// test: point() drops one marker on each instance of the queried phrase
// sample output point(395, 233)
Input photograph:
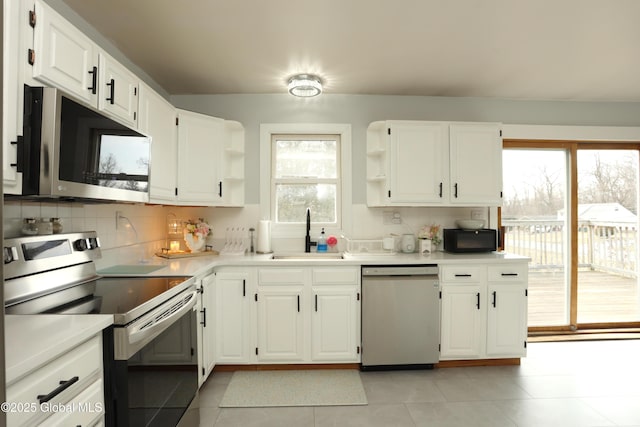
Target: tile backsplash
point(142, 231)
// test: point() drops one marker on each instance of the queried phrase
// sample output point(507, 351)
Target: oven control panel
point(36, 254)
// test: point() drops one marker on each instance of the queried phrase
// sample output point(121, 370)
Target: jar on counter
point(56, 225)
point(45, 226)
point(29, 227)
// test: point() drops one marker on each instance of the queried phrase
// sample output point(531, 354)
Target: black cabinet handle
point(43, 398)
point(462, 275)
point(204, 317)
point(440, 193)
point(94, 80)
point(510, 274)
point(112, 85)
point(455, 193)
point(220, 189)
point(494, 299)
point(478, 300)
point(298, 303)
point(316, 303)
point(244, 288)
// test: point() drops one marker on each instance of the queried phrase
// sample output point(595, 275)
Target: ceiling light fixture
point(305, 85)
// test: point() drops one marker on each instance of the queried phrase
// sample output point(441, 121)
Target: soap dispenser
point(322, 242)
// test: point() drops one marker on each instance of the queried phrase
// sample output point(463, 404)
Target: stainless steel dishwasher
point(400, 317)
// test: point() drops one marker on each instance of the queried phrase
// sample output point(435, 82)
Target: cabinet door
point(335, 326)
point(12, 95)
point(506, 320)
point(64, 56)
point(232, 317)
point(280, 323)
point(207, 325)
point(199, 151)
point(476, 164)
point(157, 118)
point(463, 316)
point(118, 90)
point(418, 163)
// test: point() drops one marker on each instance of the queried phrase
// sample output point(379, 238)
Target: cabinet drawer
point(508, 273)
point(86, 409)
point(335, 276)
point(83, 362)
point(462, 274)
point(280, 276)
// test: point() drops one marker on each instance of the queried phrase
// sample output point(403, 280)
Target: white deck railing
point(602, 246)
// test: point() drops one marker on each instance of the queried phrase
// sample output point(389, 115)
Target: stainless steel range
point(150, 362)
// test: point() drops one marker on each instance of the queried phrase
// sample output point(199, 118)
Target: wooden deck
point(602, 297)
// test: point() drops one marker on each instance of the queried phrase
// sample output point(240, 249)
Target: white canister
point(388, 243)
point(408, 243)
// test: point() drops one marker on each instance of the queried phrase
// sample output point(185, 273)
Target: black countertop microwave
point(71, 150)
point(457, 240)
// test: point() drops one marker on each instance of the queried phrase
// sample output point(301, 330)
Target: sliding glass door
point(572, 207)
point(607, 236)
point(533, 214)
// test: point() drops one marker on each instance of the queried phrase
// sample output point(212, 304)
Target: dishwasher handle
point(418, 270)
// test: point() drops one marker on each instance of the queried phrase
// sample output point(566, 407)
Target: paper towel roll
point(264, 237)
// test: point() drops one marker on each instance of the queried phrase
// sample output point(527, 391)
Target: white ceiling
point(518, 49)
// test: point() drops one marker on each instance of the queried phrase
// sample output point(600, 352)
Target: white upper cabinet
point(210, 160)
point(476, 164)
point(118, 94)
point(420, 160)
point(13, 52)
point(200, 146)
point(63, 56)
point(157, 118)
point(421, 163)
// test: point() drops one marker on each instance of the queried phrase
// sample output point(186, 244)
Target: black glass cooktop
point(124, 297)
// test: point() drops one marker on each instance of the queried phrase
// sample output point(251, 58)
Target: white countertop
point(202, 264)
point(33, 340)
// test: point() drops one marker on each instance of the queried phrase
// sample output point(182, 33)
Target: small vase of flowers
point(195, 234)
point(429, 236)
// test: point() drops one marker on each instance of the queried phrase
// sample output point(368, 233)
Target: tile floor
point(586, 383)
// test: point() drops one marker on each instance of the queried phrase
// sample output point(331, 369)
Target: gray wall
point(360, 110)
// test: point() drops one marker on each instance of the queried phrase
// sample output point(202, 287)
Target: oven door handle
point(141, 332)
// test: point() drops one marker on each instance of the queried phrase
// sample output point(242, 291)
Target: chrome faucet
point(307, 238)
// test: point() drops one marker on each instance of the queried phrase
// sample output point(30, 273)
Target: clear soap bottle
point(322, 242)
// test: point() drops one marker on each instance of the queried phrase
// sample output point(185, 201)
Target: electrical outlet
point(397, 219)
point(391, 218)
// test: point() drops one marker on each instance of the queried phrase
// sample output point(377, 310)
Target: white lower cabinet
point(234, 299)
point(335, 323)
point(288, 314)
point(462, 321)
point(75, 377)
point(206, 325)
point(281, 326)
point(484, 311)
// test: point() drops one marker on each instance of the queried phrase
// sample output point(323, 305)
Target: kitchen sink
point(307, 256)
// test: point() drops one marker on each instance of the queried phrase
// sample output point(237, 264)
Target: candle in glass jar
point(174, 246)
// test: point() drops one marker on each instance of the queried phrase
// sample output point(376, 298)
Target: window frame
point(307, 180)
point(344, 188)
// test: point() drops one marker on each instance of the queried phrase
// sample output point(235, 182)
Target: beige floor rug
point(319, 387)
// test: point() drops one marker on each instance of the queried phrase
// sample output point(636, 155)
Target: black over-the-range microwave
point(458, 240)
point(72, 150)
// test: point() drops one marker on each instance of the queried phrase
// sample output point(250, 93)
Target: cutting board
point(130, 269)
